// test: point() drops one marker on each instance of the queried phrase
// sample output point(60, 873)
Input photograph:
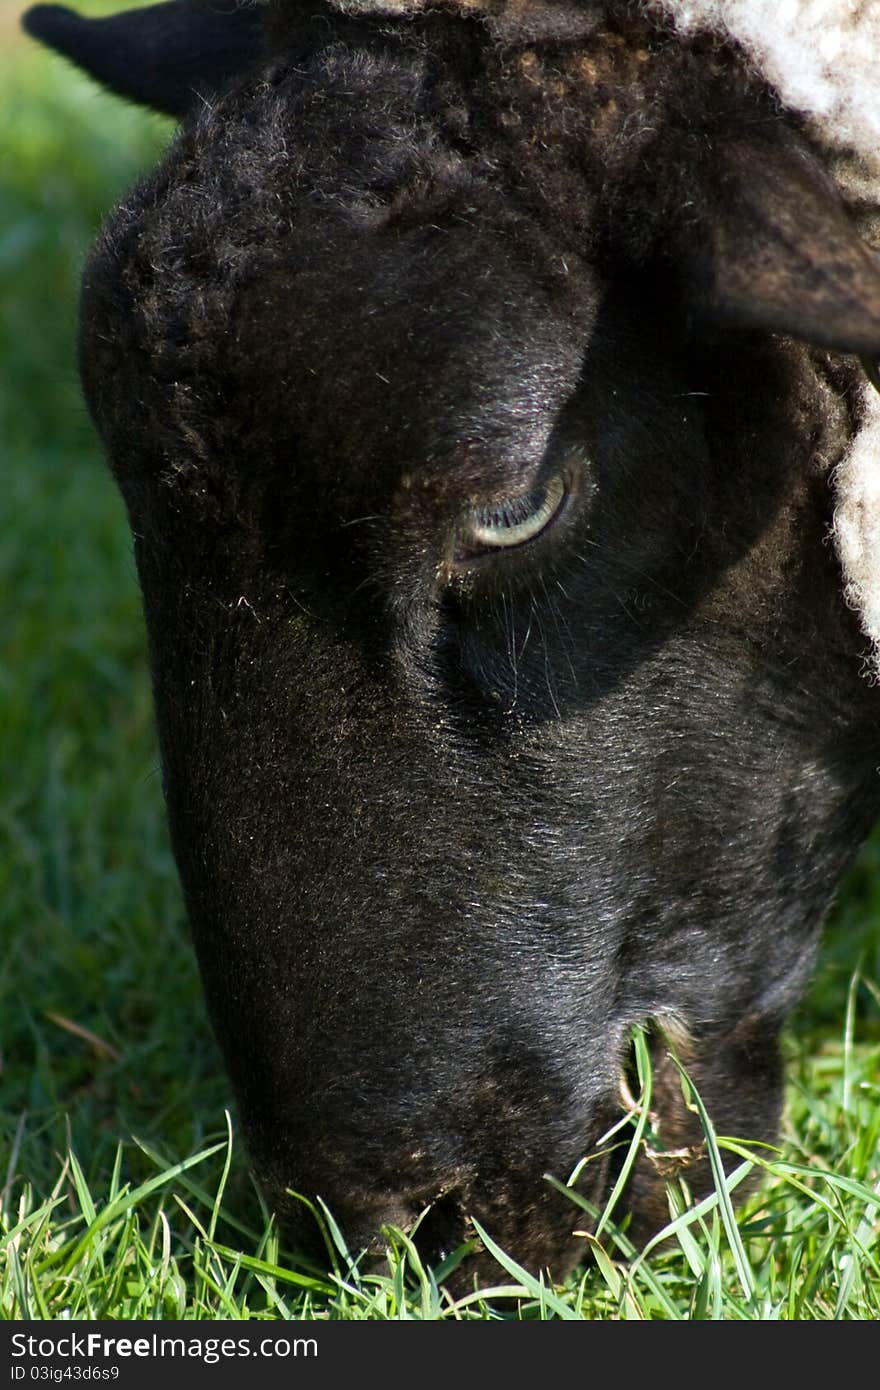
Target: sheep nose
point(436, 1228)
point(441, 1229)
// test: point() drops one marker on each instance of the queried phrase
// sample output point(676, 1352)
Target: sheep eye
point(514, 520)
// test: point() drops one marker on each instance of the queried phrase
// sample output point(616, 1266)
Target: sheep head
point(474, 375)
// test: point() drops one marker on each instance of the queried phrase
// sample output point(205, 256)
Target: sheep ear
point(776, 250)
point(165, 56)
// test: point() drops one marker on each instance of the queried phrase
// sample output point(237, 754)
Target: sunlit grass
point(806, 1246)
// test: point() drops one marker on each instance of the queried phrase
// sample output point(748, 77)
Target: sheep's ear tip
point(44, 21)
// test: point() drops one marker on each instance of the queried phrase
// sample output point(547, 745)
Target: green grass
point(123, 1191)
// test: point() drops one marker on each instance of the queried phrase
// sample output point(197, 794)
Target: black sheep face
point(478, 472)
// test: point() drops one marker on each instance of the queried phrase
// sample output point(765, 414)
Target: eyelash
point(513, 521)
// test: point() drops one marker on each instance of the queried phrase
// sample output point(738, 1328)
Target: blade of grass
point(720, 1179)
point(536, 1287)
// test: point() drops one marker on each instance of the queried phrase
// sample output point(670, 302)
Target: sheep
point(491, 385)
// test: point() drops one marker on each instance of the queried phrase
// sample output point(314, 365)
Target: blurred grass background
point(102, 1027)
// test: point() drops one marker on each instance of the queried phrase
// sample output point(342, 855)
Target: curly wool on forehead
point(822, 56)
